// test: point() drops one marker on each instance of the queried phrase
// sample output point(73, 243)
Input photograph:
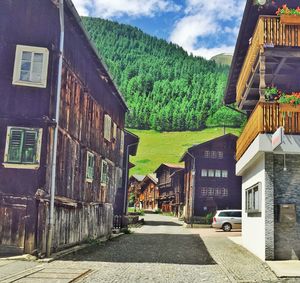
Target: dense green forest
point(165, 88)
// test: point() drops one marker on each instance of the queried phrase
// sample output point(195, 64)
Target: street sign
point(277, 138)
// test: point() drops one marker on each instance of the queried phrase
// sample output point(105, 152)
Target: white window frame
point(204, 173)
point(220, 154)
point(104, 182)
point(87, 178)
point(210, 192)
point(213, 154)
point(211, 171)
point(31, 166)
point(224, 173)
point(253, 205)
point(18, 62)
point(206, 154)
point(218, 173)
point(107, 127)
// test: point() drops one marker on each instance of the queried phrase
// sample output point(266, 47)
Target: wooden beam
point(277, 70)
point(282, 53)
point(249, 85)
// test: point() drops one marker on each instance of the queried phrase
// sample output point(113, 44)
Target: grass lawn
point(167, 147)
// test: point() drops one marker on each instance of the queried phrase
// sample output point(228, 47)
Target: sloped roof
point(206, 143)
point(115, 90)
point(180, 171)
point(139, 178)
point(170, 165)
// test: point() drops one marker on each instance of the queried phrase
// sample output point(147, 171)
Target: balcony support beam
point(262, 74)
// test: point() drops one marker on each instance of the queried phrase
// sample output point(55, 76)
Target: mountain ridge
point(166, 88)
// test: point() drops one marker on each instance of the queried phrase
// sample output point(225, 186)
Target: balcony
point(271, 58)
point(267, 117)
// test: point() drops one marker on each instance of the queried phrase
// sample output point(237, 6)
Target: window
point(204, 191)
point(224, 192)
point(224, 174)
point(23, 147)
point(211, 173)
point(218, 192)
point(115, 131)
point(253, 199)
point(104, 173)
point(213, 154)
point(224, 214)
point(210, 192)
point(31, 66)
point(90, 163)
point(206, 154)
point(218, 173)
point(107, 127)
point(220, 154)
point(203, 173)
point(122, 142)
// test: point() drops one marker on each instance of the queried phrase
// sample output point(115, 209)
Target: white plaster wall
point(253, 228)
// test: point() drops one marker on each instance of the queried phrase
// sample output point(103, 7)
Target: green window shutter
point(15, 146)
point(29, 147)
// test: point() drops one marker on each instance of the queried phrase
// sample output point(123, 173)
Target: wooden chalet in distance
point(90, 146)
point(177, 180)
point(210, 182)
point(268, 53)
point(134, 188)
point(167, 196)
point(149, 194)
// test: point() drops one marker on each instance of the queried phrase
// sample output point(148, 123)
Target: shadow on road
point(149, 248)
point(161, 223)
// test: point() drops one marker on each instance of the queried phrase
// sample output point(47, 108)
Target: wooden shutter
point(29, 147)
point(15, 146)
point(107, 127)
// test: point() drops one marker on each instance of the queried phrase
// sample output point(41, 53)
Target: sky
point(202, 27)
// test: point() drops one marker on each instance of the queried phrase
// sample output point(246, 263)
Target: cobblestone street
point(160, 251)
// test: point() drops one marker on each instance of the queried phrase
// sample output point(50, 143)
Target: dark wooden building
point(149, 193)
point(210, 182)
point(90, 152)
point(177, 180)
point(167, 197)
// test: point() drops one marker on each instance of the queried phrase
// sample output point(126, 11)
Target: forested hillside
point(165, 88)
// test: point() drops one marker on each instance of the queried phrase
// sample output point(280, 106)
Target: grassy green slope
point(156, 148)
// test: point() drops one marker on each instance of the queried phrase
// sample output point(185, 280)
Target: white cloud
point(207, 18)
point(117, 8)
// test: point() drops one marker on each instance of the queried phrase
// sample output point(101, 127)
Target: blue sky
point(202, 27)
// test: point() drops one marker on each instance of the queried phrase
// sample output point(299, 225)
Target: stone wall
point(286, 191)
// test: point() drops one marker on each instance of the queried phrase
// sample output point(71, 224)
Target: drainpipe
point(54, 152)
point(193, 185)
point(126, 176)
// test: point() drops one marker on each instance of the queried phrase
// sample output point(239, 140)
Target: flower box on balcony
point(289, 108)
point(291, 20)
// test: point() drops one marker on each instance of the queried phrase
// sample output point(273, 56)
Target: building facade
point(90, 151)
point(149, 194)
point(268, 149)
point(167, 196)
point(210, 182)
point(134, 190)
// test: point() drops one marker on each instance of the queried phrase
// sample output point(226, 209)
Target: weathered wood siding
point(87, 95)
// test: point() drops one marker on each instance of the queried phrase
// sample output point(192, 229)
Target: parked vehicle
point(227, 220)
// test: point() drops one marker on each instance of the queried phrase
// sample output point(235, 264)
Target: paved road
point(160, 251)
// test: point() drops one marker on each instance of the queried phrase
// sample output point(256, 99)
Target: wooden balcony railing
point(267, 118)
point(269, 32)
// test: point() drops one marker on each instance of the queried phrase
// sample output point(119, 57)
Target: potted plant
point(289, 102)
point(289, 16)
